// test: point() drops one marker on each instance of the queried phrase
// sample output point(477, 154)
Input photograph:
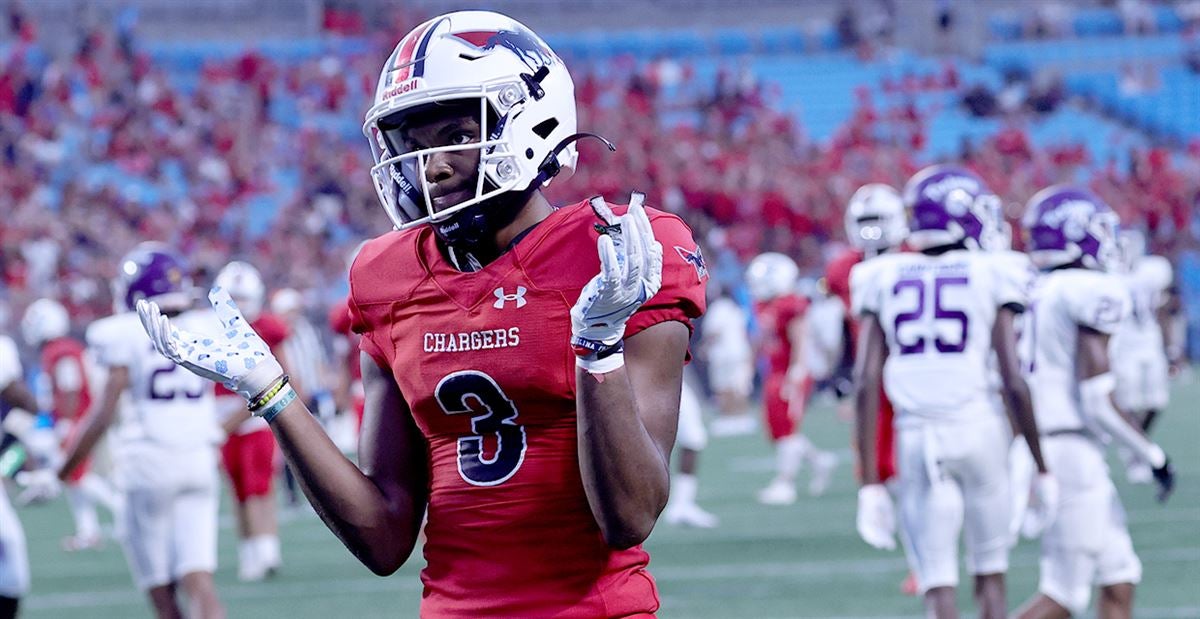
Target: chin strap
point(550, 167)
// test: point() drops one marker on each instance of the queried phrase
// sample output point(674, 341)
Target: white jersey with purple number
point(937, 313)
point(1062, 301)
point(168, 405)
point(1140, 334)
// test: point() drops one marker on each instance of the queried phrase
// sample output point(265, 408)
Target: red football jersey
point(54, 352)
point(484, 361)
point(837, 278)
point(774, 316)
point(837, 274)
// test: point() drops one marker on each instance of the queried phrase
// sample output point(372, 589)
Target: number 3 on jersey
point(493, 414)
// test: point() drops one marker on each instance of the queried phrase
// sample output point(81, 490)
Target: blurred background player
point(930, 320)
point(729, 357)
point(17, 407)
point(1076, 307)
point(534, 430)
point(164, 451)
point(875, 224)
point(691, 439)
point(249, 450)
point(45, 326)
point(772, 279)
point(307, 359)
point(1139, 347)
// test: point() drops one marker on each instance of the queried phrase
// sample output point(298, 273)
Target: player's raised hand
point(876, 519)
point(630, 273)
point(237, 358)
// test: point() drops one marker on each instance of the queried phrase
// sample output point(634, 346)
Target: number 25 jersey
point(484, 362)
point(937, 313)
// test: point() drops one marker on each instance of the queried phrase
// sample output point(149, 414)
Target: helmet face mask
point(525, 114)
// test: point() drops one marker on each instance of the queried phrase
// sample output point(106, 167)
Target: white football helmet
point(526, 104)
point(771, 275)
point(44, 320)
point(875, 219)
point(245, 285)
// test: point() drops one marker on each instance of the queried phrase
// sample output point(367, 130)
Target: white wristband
point(601, 366)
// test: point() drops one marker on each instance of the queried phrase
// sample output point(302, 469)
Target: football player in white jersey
point(165, 441)
point(1075, 307)
point(725, 343)
point(1139, 347)
point(929, 322)
point(14, 561)
point(691, 437)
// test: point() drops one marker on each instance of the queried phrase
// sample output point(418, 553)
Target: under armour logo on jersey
point(502, 298)
point(694, 258)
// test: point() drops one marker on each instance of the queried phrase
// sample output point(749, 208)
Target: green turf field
point(799, 561)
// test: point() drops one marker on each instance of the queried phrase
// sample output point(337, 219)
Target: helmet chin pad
point(476, 225)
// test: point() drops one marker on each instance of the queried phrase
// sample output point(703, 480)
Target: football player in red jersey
point(45, 326)
point(772, 280)
point(522, 363)
point(249, 450)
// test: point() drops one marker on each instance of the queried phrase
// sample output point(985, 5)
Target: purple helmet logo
point(154, 272)
point(1064, 225)
point(948, 205)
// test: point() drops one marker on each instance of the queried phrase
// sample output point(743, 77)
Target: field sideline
point(799, 561)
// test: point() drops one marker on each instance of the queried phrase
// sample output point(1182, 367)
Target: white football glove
point(37, 486)
point(1043, 506)
point(630, 273)
point(876, 519)
point(237, 358)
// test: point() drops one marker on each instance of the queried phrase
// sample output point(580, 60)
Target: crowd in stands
point(103, 147)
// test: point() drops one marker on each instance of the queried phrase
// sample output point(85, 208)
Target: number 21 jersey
point(937, 313)
point(484, 362)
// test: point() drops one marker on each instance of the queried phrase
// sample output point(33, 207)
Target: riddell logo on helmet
point(401, 89)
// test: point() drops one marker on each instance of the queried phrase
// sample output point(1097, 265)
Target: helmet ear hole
point(545, 128)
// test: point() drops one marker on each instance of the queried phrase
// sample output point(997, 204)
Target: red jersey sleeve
point(681, 296)
point(384, 273)
point(272, 329)
point(837, 274)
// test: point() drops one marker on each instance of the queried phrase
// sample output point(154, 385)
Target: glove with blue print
point(237, 358)
point(631, 263)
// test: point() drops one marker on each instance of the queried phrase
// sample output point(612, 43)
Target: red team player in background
point(780, 309)
point(875, 223)
point(522, 364)
point(45, 326)
point(249, 450)
point(349, 390)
